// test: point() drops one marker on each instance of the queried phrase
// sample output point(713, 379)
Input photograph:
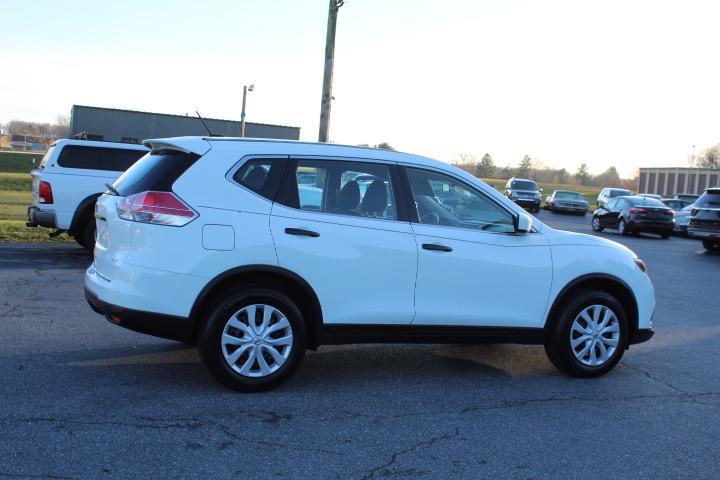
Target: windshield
point(617, 193)
point(568, 195)
point(524, 185)
point(710, 199)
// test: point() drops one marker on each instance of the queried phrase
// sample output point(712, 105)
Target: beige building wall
point(669, 181)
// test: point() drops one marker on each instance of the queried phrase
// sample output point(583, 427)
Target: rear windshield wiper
point(112, 189)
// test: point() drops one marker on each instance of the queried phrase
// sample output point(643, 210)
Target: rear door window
point(350, 188)
point(98, 158)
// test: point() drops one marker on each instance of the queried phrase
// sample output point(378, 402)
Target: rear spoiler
point(196, 145)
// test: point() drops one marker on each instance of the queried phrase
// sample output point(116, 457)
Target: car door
point(347, 240)
point(606, 214)
point(473, 270)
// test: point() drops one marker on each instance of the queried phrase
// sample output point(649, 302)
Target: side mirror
point(523, 223)
point(541, 190)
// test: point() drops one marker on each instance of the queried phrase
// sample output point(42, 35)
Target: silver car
point(566, 201)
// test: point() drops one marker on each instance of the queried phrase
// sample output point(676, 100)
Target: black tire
point(86, 235)
point(711, 246)
point(557, 341)
point(624, 230)
point(665, 236)
point(211, 348)
point(596, 224)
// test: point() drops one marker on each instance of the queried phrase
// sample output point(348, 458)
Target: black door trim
point(355, 333)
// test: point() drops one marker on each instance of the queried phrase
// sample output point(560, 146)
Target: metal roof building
point(669, 181)
point(130, 126)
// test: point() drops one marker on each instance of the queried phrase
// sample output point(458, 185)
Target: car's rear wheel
point(596, 224)
point(86, 236)
point(665, 236)
point(711, 246)
point(589, 335)
point(622, 227)
point(254, 339)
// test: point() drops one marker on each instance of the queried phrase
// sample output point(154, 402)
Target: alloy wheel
point(594, 335)
point(257, 340)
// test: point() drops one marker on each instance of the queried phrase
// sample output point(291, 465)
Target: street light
point(246, 88)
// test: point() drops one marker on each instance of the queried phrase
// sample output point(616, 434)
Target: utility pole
point(328, 73)
point(246, 89)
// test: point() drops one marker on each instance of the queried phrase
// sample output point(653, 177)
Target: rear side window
point(156, 171)
point(98, 158)
point(709, 199)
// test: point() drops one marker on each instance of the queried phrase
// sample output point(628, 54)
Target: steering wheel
point(430, 218)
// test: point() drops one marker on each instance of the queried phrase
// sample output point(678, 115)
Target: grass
point(16, 231)
point(19, 182)
point(15, 197)
point(19, 162)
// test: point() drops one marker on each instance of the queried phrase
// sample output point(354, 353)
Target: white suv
point(257, 250)
point(71, 175)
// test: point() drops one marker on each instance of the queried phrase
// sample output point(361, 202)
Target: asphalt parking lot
point(81, 398)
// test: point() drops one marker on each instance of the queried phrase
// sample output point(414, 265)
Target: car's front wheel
point(589, 335)
point(254, 339)
point(596, 224)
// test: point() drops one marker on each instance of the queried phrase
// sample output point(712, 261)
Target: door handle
point(301, 232)
point(436, 247)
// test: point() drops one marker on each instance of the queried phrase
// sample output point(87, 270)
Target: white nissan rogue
point(257, 250)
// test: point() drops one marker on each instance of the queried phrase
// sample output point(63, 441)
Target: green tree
point(486, 167)
point(583, 175)
point(563, 176)
point(525, 166)
point(385, 146)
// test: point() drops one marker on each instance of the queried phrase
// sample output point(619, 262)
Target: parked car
point(633, 215)
point(566, 201)
point(705, 219)
point(68, 180)
point(606, 194)
point(650, 195)
point(207, 240)
point(524, 192)
point(682, 219)
point(675, 204)
point(688, 197)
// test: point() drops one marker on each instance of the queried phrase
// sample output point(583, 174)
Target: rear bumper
point(703, 233)
point(156, 324)
point(651, 226)
point(40, 218)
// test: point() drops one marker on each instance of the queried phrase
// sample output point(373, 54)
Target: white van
point(70, 177)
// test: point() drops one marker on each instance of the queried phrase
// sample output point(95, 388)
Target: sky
point(608, 83)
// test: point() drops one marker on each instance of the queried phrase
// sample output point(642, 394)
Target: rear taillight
point(669, 213)
point(158, 208)
point(45, 192)
point(638, 210)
